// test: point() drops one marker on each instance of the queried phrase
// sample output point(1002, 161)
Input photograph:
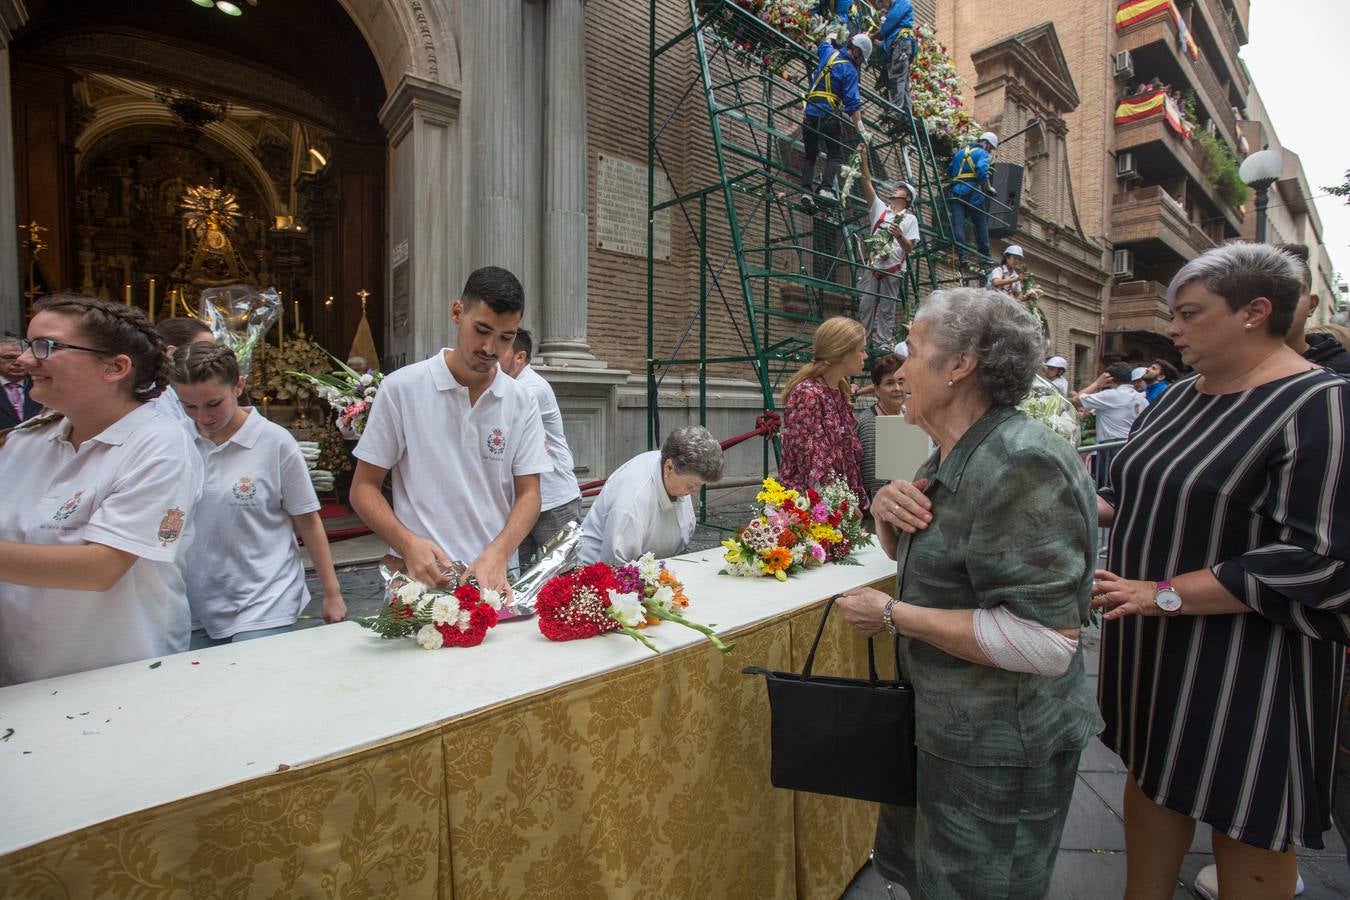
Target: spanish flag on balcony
point(1154, 103)
point(1131, 12)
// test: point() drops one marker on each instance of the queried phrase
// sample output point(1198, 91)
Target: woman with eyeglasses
point(97, 497)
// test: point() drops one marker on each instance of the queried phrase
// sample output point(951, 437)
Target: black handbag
point(846, 737)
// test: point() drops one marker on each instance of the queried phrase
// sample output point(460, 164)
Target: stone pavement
point(1091, 863)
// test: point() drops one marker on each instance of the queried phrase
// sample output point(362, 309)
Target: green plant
point(1221, 169)
point(1342, 189)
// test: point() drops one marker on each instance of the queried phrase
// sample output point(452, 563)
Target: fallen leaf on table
point(153, 665)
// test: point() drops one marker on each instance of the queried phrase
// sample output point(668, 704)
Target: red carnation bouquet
point(434, 616)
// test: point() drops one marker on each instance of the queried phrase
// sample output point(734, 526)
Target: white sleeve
point(531, 456)
point(910, 227)
point(382, 443)
point(624, 538)
point(1020, 645)
point(1095, 402)
point(146, 511)
point(297, 488)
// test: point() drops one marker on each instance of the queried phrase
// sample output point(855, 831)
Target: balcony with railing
point(1138, 306)
point(1216, 36)
point(1153, 45)
point(1150, 220)
point(1161, 154)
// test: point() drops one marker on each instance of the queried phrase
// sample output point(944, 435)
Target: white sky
point(1296, 56)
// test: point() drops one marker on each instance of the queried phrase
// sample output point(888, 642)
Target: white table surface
point(96, 745)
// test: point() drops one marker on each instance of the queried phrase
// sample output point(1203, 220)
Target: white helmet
point(864, 45)
point(1015, 250)
point(991, 138)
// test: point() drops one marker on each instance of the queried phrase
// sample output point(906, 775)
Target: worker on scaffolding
point(894, 231)
point(898, 48)
point(834, 87)
point(969, 171)
point(838, 10)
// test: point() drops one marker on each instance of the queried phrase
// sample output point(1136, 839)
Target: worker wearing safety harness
point(969, 171)
point(832, 94)
point(899, 47)
point(893, 232)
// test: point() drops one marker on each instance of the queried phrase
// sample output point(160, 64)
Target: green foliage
point(1221, 169)
point(1342, 189)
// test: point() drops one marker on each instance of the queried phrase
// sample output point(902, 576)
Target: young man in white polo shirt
point(559, 493)
point(465, 445)
point(1115, 401)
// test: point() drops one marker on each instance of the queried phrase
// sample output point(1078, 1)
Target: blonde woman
point(820, 436)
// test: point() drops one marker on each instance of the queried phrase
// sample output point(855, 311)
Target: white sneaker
point(1207, 883)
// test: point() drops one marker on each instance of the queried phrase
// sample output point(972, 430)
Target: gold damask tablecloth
point(649, 781)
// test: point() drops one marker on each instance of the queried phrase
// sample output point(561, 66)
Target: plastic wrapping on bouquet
point(239, 316)
point(557, 555)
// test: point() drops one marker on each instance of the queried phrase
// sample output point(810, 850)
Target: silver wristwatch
point(886, 614)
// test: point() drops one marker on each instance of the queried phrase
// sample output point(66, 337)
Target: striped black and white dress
point(1232, 719)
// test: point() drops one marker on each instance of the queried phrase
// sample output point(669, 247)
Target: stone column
point(426, 222)
point(11, 296)
point(563, 341)
point(492, 92)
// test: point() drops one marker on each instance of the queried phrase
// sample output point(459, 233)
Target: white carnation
point(444, 609)
point(367, 378)
point(649, 570)
point(492, 598)
point(428, 638)
point(465, 620)
point(625, 608)
point(409, 593)
point(663, 598)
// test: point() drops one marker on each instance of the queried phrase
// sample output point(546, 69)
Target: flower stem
point(638, 636)
point(681, 620)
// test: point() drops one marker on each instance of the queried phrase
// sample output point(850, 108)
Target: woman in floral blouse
point(819, 432)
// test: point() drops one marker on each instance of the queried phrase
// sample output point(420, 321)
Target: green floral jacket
point(1014, 523)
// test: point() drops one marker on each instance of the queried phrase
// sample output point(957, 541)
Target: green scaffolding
point(770, 267)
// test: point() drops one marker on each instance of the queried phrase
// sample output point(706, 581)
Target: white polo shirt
point(453, 463)
point(882, 216)
point(634, 515)
point(246, 573)
point(132, 487)
point(1116, 410)
point(558, 485)
point(169, 404)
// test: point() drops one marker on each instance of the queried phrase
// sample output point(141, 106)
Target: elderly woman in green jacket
point(995, 546)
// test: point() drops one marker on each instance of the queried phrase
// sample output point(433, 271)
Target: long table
point(327, 763)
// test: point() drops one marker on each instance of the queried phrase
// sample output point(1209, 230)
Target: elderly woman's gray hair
point(695, 452)
point(1241, 272)
point(1003, 335)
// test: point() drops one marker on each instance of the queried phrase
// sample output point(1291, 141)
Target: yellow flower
point(774, 493)
point(735, 552)
point(826, 534)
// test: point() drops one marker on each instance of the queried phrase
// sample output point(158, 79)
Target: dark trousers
point(821, 132)
point(969, 209)
point(897, 74)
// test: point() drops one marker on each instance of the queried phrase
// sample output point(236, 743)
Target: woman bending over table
point(97, 496)
point(246, 579)
point(995, 542)
point(1228, 587)
point(820, 437)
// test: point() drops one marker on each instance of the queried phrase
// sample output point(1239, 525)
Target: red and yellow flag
point(1143, 106)
point(1131, 11)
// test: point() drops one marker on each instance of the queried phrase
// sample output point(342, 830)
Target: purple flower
point(630, 582)
point(820, 512)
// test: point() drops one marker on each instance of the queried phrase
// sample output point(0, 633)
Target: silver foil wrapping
point(556, 556)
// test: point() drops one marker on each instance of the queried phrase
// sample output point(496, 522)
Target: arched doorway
point(120, 110)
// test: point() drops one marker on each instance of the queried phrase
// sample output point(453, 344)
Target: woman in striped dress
point(1228, 590)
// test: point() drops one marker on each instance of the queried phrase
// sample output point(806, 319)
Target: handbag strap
point(820, 631)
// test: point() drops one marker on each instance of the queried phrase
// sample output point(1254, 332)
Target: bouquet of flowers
point(791, 531)
point(239, 316)
point(662, 595)
point(349, 393)
point(935, 94)
point(436, 617)
point(1048, 406)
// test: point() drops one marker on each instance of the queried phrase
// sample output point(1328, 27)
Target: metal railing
point(1098, 459)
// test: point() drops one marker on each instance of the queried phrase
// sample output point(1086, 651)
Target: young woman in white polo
point(96, 501)
point(245, 579)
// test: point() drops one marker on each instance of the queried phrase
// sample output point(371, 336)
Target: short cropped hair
point(1239, 273)
point(694, 451)
point(1120, 372)
point(886, 365)
point(1005, 338)
point(496, 287)
point(524, 341)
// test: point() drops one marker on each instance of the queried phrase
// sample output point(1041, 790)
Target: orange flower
point(668, 579)
point(787, 538)
point(777, 559)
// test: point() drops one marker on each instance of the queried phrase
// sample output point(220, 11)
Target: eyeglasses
point(41, 348)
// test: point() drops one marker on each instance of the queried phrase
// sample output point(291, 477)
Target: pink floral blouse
point(820, 438)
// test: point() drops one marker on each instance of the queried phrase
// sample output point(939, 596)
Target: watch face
point(1168, 600)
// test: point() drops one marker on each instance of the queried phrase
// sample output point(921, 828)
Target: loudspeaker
point(1006, 183)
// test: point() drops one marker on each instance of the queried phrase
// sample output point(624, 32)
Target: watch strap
point(886, 615)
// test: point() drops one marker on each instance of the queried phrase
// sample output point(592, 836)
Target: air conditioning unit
point(1122, 264)
point(1122, 65)
point(1125, 166)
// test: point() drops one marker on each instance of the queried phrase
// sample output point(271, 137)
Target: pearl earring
point(951, 383)
point(1248, 326)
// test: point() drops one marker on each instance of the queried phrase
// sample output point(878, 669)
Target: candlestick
point(173, 302)
point(152, 300)
point(297, 315)
point(126, 288)
point(281, 326)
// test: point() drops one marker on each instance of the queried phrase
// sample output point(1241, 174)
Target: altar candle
point(297, 315)
point(281, 326)
point(127, 290)
point(152, 300)
point(173, 302)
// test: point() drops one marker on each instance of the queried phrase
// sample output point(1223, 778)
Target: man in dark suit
point(15, 406)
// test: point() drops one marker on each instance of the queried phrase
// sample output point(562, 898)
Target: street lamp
point(1259, 171)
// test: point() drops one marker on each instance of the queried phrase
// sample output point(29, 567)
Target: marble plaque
point(621, 209)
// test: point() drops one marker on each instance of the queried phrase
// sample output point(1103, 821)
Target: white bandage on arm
point(1020, 645)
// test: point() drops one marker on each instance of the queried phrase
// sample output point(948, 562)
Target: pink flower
point(817, 551)
point(820, 512)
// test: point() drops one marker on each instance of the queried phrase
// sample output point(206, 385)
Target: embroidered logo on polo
point(496, 442)
point(171, 526)
point(244, 490)
point(68, 508)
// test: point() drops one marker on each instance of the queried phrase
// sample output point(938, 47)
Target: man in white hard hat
point(1054, 370)
point(833, 93)
point(969, 171)
point(893, 232)
point(1007, 275)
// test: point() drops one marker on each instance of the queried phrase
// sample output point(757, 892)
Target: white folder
point(901, 448)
